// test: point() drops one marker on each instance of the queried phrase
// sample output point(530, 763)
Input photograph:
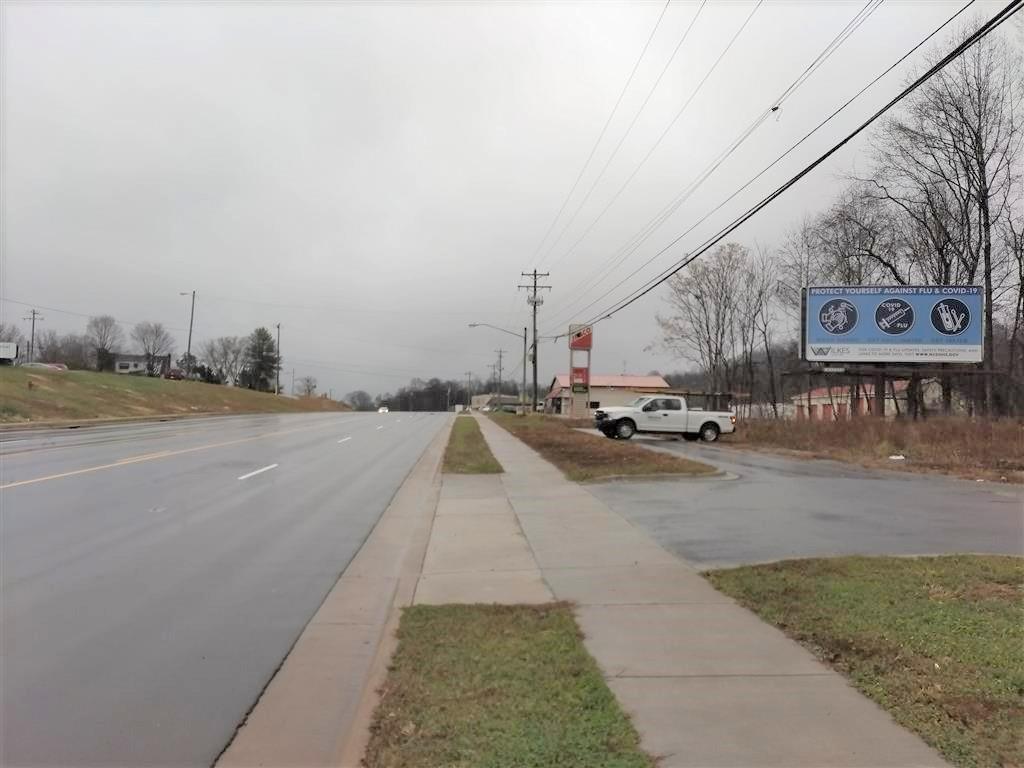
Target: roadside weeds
point(489, 685)
point(584, 457)
point(970, 448)
point(937, 641)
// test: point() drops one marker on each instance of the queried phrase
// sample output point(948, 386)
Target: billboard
point(581, 337)
point(894, 324)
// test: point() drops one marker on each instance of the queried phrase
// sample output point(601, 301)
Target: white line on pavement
point(344, 439)
point(264, 469)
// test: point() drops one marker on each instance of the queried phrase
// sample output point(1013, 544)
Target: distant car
point(383, 409)
point(175, 373)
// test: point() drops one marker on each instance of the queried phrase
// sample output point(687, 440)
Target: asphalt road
point(772, 508)
point(154, 576)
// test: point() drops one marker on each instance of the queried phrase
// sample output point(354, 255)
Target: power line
point(977, 35)
point(781, 157)
point(604, 129)
point(660, 138)
point(629, 129)
point(634, 243)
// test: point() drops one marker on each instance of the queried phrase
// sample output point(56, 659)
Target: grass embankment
point(467, 452)
point(56, 396)
point(974, 448)
point(937, 641)
point(584, 457)
point(475, 685)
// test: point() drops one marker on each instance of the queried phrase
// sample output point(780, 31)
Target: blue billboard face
point(894, 324)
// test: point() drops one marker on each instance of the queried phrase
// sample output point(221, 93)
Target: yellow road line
point(158, 455)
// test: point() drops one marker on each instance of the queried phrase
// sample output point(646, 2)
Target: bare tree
point(702, 326)
point(360, 400)
point(949, 163)
point(225, 356)
point(103, 332)
point(153, 341)
point(307, 386)
point(48, 347)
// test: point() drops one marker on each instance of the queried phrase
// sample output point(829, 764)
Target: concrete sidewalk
point(706, 682)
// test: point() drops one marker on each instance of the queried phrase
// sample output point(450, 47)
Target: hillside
point(38, 395)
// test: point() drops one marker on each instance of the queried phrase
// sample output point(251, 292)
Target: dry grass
point(498, 685)
point(937, 641)
point(467, 452)
point(974, 448)
point(82, 395)
point(584, 457)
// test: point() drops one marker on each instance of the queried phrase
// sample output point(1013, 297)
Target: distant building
point(137, 364)
point(833, 403)
point(491, 400)
point(618, 389)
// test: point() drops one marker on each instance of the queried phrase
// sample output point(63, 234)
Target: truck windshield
point(639, 401)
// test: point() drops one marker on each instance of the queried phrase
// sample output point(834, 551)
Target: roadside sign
point(8, 350)
point(581, 337)
point(894, 324)
point(580, 379)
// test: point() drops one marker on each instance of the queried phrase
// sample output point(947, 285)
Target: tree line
point(428, 395)
point(939, 203)
point(249, 361)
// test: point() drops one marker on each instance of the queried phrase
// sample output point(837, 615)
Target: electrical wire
point(634, 243)
point(637, 294)
point(604, 130)
point(661, 138)
point(629, 129)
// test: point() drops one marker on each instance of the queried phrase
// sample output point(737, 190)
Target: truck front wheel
point(625, 429)
point(709, 432)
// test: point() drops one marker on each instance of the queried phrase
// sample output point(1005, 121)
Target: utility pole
point(500, 353)
point(188, 348)
point(293, 381)
point(277, 379)
point(534, 300)
point(469, 388)
point(33, 316)
point(522, 395)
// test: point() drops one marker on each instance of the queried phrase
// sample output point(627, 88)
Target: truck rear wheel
point(709, 432)
point(625, 429)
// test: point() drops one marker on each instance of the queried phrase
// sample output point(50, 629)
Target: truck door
point(675, 415)
point(655, 414)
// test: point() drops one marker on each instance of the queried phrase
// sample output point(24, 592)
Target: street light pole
point(188, 348)
point(277, 384)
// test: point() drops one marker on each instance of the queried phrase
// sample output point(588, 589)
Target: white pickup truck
point(663, 414)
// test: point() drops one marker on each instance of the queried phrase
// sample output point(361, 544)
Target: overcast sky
point(374, 177)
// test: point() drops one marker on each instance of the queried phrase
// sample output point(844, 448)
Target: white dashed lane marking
point(258, 471)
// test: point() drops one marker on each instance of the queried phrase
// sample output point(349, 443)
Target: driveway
point(771, 507)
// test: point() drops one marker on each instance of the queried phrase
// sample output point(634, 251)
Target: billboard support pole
point(880, 392)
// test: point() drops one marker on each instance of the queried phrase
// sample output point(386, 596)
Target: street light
point(191, 317)
point(522, 392)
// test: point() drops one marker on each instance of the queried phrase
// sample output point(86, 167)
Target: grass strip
point(467, 452)
point(937, 641)
point(494, 686)
point(583, 456)
point(29, 395)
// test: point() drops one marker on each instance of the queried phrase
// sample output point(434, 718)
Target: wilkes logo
point(823, 351)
